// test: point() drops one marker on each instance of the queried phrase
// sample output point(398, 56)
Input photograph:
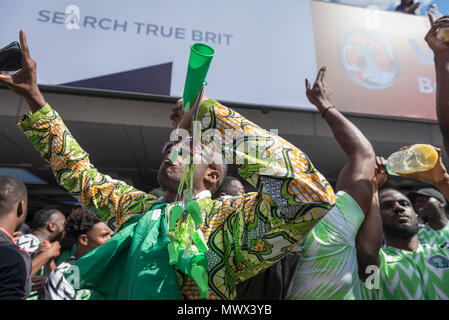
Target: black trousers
point(274, 283)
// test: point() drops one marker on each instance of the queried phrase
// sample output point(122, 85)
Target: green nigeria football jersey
point(407, 275)
point(429, 236)
point(328, 265)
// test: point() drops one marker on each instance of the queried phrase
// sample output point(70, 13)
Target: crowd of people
point(294, 238)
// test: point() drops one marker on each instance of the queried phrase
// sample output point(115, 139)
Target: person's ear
point(20, 209)
point(51, 227)
point(83, 240)
point(212, 176)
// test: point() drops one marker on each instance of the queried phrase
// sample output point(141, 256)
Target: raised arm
point(356, 176)
point(112, 200)
point(258, 229)
point(370, 235)
point(412, 8)
point(441, 54)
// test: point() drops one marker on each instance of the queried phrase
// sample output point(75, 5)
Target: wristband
point(324, 112)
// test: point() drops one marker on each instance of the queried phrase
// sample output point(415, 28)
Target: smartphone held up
point(10, 59)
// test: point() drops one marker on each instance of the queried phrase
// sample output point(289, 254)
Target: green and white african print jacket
point(245, 234)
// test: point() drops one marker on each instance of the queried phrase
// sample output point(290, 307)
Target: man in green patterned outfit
point(244, 234)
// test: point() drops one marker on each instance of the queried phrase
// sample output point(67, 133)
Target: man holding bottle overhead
point(423, 162)
point(409, 270)
point(429, 203)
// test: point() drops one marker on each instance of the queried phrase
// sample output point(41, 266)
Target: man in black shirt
point(15, 263)
point(408, 6)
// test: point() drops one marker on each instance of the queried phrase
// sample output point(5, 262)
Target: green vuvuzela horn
point(199, 61)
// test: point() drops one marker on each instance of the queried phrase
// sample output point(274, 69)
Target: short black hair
point(224, 186)
point(226, 181)
point(42, 217)
point(79, 222)
point(12, 191)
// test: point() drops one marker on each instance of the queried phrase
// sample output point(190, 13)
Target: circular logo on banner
point(368, 60)
point(438, 261)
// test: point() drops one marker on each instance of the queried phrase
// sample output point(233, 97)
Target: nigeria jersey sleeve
point(328, 266)
point(112, 200)
point(261, 228)
point(339, 227)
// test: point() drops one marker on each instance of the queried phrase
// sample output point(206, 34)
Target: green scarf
point(133, 264)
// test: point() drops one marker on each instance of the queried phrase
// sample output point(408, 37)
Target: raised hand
point(24, 82)
point(180, 118)
point(54, 250)
point(381, 175)
point(44, 246)
point(437, 46)
point(319, 95)
point(177, 113)
point(434, 176)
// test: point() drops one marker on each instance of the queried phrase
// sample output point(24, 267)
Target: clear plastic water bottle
point(433, 9)
point(442, 33)
point(417, 158)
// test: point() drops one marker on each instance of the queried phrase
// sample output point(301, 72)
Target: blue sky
point(443, 5)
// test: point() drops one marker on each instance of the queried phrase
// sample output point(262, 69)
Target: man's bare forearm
point(39, 261)
point(369, 238)
point(348, 136)
point(355, 177)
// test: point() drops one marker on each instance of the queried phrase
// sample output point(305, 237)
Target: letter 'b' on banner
point(199, 61)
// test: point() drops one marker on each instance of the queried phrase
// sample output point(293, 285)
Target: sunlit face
point(396, 208)
point(98, 235)
point(172, 166)
point(398, 217)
